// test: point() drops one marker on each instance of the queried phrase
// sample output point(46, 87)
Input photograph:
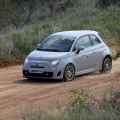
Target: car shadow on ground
point(52, 81)
point(38, 81)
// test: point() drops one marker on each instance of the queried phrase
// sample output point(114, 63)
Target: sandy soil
point(19, 95)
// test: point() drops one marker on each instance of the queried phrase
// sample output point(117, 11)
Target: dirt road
point(19, 95)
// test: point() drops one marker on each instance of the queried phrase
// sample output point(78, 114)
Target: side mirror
point(38, 45)
point(79, 48)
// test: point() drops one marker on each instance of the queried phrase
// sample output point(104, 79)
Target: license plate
point(35, 71)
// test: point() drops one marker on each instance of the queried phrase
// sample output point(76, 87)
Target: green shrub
point(79, 98)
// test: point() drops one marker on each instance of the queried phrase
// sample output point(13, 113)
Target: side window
point(94, 40)
point(83, 41)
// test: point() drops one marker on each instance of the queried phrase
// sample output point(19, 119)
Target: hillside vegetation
point(83, 107)
point(25, 23)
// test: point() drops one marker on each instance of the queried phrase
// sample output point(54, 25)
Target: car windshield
point(57, 43)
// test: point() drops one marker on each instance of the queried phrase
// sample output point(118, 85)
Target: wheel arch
point(69, 64)
point(108, 56)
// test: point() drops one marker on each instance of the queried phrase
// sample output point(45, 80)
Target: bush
point(83, 108)
point(82, 15)
point(112, 99)
point(106, 3)
point(79, 99)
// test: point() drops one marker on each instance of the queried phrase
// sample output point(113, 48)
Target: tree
point(6, 9)
point(17, 12)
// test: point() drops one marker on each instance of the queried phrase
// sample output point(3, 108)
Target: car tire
point(69, 73)
point(106, 65)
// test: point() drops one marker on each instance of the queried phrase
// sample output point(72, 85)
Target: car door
point(99, 48)
point(85, 59)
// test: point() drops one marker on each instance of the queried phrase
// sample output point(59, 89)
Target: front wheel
point(69, 73)
point(107, 65)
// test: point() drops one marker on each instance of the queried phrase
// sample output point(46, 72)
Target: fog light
point(55, 67)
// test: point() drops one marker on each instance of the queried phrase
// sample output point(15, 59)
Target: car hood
point(45, 55)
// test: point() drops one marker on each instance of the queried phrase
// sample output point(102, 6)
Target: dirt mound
point(8, 63)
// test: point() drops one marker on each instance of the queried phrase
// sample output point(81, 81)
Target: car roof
point(76, 33)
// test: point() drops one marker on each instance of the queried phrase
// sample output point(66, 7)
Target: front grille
point(44, 74)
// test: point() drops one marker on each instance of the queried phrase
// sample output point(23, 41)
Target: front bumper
point(45, 75)
point(48, 72)
point(26, 73)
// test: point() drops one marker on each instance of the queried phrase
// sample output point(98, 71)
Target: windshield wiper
point(54, 50)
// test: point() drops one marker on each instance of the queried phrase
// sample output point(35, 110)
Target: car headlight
point(55, 62)
point(26, 60)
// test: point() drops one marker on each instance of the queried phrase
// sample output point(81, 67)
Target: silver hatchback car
point(66, 54)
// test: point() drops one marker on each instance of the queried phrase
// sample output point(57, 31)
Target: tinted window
point(83, 41)
point(94, 40)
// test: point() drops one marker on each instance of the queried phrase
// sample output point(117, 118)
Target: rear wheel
point(69, 73)
point(106, 65)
